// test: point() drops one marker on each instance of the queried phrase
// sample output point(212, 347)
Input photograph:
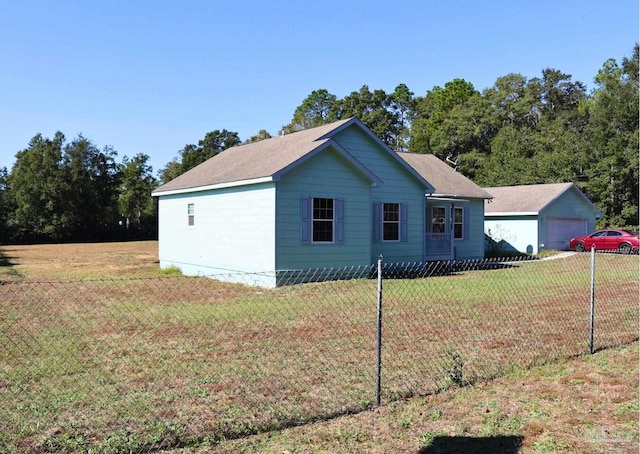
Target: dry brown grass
point(586, 405)
point(79, 260)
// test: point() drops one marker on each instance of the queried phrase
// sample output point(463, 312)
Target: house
point(532, 218)
point(328, 197)
point(454, 211)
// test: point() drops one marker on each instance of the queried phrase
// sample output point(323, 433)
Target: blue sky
point(152, 76)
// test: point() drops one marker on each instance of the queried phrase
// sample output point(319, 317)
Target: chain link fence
point(135, 365)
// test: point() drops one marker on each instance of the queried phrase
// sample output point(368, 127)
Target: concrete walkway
point(560, 255)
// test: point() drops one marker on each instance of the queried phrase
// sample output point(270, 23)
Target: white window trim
point(398, 222)
point(191, 214)
point(332, 220)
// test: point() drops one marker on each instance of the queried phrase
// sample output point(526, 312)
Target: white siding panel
point(233, 231)
point(521, 234)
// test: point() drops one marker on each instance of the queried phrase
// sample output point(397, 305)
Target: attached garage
point(532, 218)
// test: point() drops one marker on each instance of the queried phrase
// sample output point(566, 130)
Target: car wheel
point(624, 248)
point(579, 247)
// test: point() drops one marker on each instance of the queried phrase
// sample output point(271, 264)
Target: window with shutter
point(322, 220)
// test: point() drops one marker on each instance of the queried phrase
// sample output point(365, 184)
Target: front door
point(439, 234)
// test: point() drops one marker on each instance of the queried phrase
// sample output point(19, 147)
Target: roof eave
point(461, 196)
point(159, 192)
point(511, 213)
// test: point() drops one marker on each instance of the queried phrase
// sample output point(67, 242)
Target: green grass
point(132, 365)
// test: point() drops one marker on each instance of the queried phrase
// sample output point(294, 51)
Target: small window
point(322, 220)
point(390, 222)
point(458, 223)
point(191, 214)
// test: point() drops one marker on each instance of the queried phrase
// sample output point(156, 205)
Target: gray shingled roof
point(446, 181)
point(525, 198)
point(254, 160)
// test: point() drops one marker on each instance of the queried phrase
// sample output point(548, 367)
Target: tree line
point(546, 129)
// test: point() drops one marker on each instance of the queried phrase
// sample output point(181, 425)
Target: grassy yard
point(587, 404)
point(105, 362)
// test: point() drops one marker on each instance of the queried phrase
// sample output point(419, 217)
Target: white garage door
point(560, 232)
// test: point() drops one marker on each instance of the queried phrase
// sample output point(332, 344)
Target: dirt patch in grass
point(79, 261)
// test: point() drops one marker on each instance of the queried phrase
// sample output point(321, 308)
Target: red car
point(607, 239)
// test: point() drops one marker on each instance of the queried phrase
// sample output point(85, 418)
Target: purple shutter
point(377, 223)
point(305, 220)
point(339, 220)
point(404, 222)
point(465, 223)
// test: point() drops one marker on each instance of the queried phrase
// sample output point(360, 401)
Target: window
point(191, 214)
point(322, 220)
point(322, 226)
point(438, 219)
point(458, 223)
point(390, 221)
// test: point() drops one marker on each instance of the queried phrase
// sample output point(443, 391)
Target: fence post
point(379, 334)
point(592, 298)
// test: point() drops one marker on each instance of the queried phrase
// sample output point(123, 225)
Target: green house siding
point(472, 246)
point(571, 205)
point(399, 185)
point(326, 175)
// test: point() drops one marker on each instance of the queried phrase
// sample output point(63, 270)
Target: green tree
point(374, 109)
point(217, 141)
point(612, 132)
point(171, 170)
point(388, 116)
point(403, 105)
point(63, 191)
point(560, 96)
point(261, 135)
point(191, 155)
point(89, 190)
point(513, 102)
point(453, 122)
point(317, 109)
point(35, 182)
point(135, 204)
point(7, 206)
